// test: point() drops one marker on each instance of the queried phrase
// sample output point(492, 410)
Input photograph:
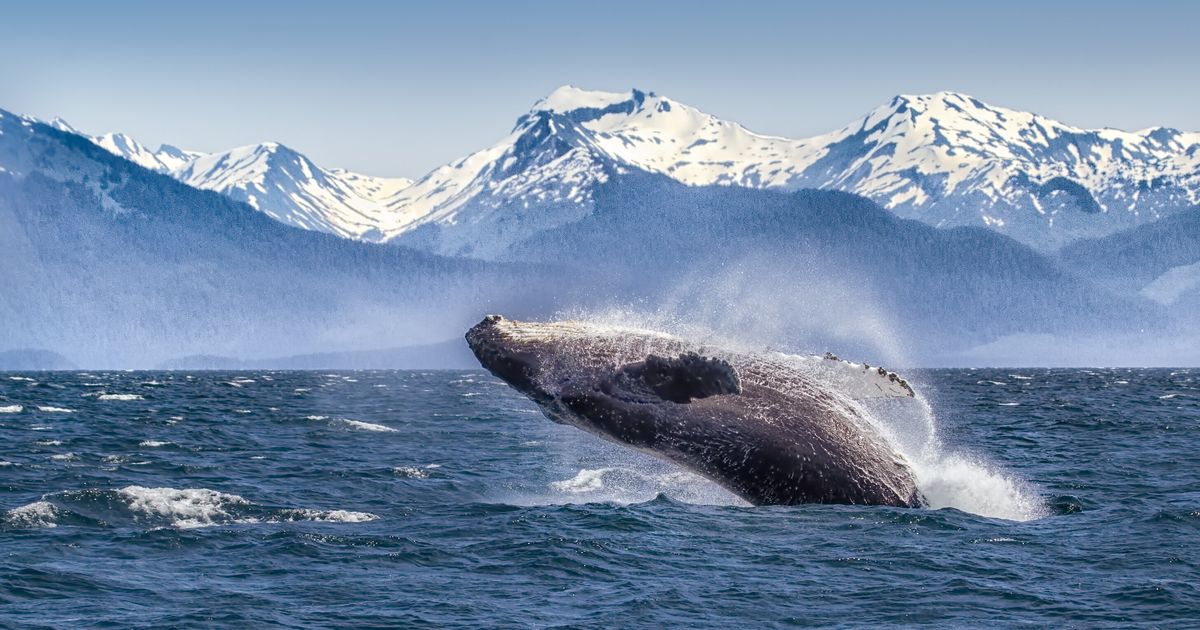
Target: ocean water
point(444, 499)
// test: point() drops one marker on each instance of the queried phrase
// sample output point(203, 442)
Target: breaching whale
point(771, 428)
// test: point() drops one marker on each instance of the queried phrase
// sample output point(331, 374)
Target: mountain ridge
point(945, 159)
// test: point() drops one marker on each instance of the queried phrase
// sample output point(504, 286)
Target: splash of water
point(947, 477)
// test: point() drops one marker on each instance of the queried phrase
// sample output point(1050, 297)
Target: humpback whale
point(773, 429)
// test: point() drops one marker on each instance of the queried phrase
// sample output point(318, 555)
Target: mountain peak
point(569, 98)
point(62, 125)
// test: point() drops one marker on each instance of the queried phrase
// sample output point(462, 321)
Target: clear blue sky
point(392, 88)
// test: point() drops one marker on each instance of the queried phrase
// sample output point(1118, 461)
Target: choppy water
point(444, 499)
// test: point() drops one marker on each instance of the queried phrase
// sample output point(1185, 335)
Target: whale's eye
point(684, 378)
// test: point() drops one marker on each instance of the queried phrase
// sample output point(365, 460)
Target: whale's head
point(567, 367)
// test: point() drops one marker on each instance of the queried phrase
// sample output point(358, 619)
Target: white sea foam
point(956, 481)
point(153, 443)
point(50, 409)
point(64, 457)
point(120, 397)
point(947, 478)
point(638, 479)
point(48, 442)
point(201, 507)
point(316, 417)
point(186, 508)
point(23, 379)
point(411, 472)
point(586, 480)
point(366, 426)
point(329, 516)
point(11, 408)
point(32, 515)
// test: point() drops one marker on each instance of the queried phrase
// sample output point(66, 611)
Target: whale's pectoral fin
point(681, 379)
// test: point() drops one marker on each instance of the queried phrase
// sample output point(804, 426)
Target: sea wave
point(119, 397)
point(180, 508)
point(366, 426)
point(633, 482)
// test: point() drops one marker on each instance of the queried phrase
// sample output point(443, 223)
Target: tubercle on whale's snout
point(506, 362)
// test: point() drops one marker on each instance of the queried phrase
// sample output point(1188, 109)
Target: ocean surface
point(445, 499)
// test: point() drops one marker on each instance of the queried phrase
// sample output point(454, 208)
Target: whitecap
point(49, 442)
point(367, 426)
point(11, 409)
point(201, 507)
point(186, 508)
point(153, 443)
point(1009, 404)
point(36, 514)
point(64, 457)
point(51, 409)
point(24, 379)
point(317, 418)
point(411, 472)
point(1167, 397)
point(329, 516)
point(120, 397)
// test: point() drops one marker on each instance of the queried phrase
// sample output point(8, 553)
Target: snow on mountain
point(272, 178)
point(290, 188)
point(946, 159)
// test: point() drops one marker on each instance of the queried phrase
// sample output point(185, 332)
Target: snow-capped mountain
point(272, 178)
point(946, 159)
point(290, 188)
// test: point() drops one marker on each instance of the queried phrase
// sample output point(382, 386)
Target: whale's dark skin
point(762, 428)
